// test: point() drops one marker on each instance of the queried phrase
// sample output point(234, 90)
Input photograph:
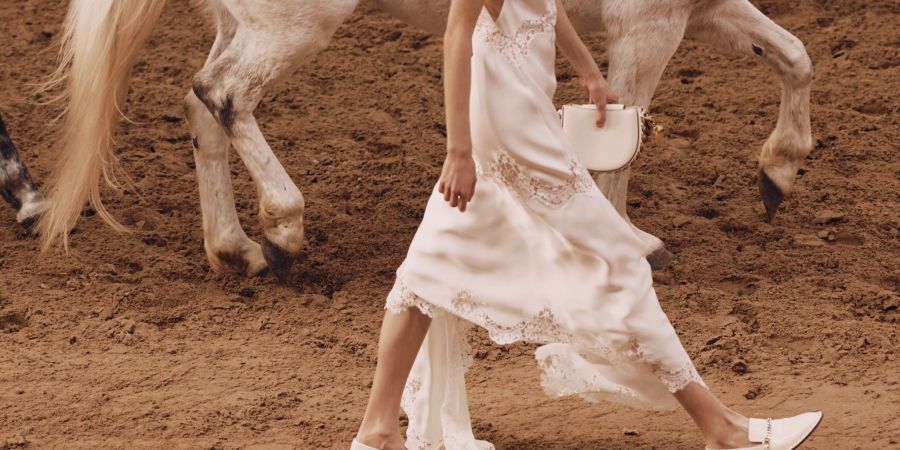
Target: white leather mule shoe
point(356, 445)
point(782, 434)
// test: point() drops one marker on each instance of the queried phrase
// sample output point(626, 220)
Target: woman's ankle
point(377, 435)
point(730, 432)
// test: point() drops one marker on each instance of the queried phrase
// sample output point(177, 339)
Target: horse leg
point(738, 27)
point(269, 43)
point(227, 245)
point(16, 185)
point(642, 39)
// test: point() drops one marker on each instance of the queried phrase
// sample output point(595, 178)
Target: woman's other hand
point(572, 47)
point(457, 181)
point(600, 95)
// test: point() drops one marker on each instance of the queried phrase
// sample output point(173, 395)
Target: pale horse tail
point(100, 43)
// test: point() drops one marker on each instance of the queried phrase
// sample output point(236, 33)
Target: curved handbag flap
point(608, 149)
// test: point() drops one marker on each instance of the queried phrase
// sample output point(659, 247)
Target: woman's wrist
point(585, 65)
point(592, 75)
point(459, 150)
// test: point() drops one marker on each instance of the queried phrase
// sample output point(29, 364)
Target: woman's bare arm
point(458, 176)
point(579, 56)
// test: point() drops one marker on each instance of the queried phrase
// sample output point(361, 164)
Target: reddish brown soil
point(130, 342)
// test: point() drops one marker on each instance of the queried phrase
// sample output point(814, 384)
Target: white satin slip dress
point(540, 255)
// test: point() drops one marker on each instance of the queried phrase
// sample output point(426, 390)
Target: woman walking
point(534, 254)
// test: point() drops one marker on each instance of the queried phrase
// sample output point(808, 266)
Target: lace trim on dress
point(527, 187)
point(559, 378)
point(543, 328)
point(515, 47)
point(678, 379)
point(410, 392)
point(674, 378)
point(401, 298)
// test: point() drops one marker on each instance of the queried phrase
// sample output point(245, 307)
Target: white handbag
point(608, 149)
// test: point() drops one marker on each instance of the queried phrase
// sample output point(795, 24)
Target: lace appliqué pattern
point(527, 187)
point(678, 379)
point(410, 392)
point(559, 378)
point(401, 298)
point(674, 378)
point(543, 328)
point(515, 47)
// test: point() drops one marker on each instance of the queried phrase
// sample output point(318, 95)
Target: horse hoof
point(238, 256)
point(31, 211)
point(30, 223)
point(279, 261)
point(660, 259)
point(257, 268)
point(30, 226)
point(772, 196)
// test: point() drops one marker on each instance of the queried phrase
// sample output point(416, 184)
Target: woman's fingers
point(457, 184)
point(467, 196)
point(601, 96)
point(601, 110)
point(458, 198)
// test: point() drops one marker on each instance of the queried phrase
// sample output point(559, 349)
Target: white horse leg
point(16, 185)
point(737, 26)
point(642, 38)
point(271, 39)
point(227, 246)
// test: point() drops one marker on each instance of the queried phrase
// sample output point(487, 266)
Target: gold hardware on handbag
point(608, 149)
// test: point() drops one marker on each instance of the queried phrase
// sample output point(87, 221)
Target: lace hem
point(673, 378)
point(543, 328)
point(559, 379)
point(516, 47)
point(402, 298)
point(678, 379)
point(449, 439)
point(530, 188)
point(410, 392)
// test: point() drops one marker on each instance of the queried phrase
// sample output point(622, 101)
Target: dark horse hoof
point(30, 223)
point(660, 259)
point(30, 226)
point(279, 261)
point(772, 196)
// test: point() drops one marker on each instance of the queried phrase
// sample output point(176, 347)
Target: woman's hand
point(600, 95)
point(457, 181)
point(573, 48)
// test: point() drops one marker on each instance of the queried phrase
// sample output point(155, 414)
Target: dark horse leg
point(16, 185)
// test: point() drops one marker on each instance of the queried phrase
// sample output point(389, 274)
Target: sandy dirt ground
point(130, 341)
